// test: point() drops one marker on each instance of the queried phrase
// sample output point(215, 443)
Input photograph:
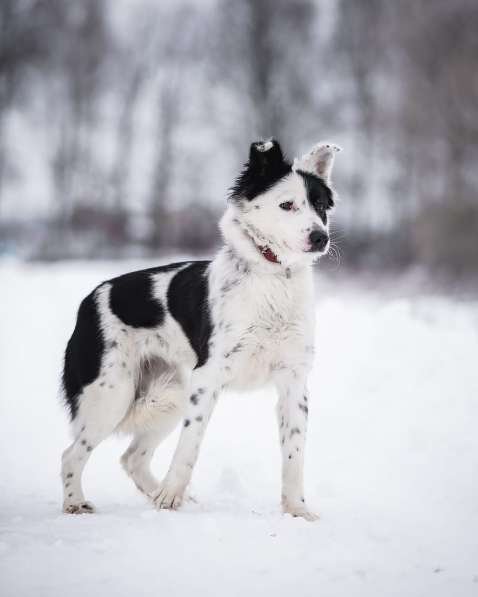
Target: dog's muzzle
point(318, 240)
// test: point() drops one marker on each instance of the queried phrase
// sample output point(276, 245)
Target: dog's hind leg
point(102, 406)
point(158, 408)
point(136, 460)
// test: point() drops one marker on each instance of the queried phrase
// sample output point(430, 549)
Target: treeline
point(123, 124)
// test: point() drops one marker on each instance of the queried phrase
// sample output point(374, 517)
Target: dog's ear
point(265, 156)
point(319, 160)
point(266, 167)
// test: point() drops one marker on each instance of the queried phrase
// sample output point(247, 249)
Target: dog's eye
point(287, 205)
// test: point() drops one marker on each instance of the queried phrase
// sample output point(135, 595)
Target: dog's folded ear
point(319, 160)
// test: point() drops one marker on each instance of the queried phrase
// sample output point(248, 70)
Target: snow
point(391, 459)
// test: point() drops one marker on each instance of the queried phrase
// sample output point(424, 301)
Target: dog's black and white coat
point(156, 347)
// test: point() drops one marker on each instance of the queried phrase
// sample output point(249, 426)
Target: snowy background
point(391, 463)
point(122, 125)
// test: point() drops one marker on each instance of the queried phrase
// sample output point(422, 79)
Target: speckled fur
point(262, 317)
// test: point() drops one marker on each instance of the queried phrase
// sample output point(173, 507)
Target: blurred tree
point(20, 48)
point(142, 112)
point(79, 50)
point(440, 56)
point(172, 89)
point(362, 39)
point(129, 93)
point(265, 55)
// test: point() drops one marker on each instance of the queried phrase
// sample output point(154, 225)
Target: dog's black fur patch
point(83, 353)
point(319, 194)
point(261, 172)
point(132, 300)
point(188, 303)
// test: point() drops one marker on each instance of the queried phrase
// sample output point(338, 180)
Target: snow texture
point(391, 458)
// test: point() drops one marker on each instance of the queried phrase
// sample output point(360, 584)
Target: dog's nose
point(318, 240)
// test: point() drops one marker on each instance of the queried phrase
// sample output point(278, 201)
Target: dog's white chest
point(267, 327)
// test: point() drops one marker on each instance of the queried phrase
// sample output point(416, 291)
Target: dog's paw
point(79, 508)
point(167, 497)
point(300, 511)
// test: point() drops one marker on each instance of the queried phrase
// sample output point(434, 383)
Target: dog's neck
point(257, 252)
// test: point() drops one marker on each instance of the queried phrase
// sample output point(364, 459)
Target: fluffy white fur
point(263, 322)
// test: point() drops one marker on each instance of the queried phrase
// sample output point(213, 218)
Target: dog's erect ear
point(265, 156)
point(266, 167)
point(319, 160)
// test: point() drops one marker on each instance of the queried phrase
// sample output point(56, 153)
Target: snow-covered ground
point(392, 463)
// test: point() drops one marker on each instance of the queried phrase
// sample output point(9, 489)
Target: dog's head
point(280, 211)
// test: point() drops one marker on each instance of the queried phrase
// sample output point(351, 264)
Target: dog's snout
point(318, 240)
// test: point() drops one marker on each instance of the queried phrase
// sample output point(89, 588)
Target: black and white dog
point(156, 347)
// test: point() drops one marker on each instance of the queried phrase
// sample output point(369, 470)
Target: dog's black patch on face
point(83, 353)
point(319, 194)
point(188, 304)
point(264, 169)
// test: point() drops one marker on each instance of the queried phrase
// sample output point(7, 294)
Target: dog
point(156, 347)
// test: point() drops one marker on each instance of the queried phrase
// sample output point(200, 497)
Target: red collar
point(268, 254)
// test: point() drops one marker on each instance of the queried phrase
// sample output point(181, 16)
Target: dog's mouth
point(318, 252)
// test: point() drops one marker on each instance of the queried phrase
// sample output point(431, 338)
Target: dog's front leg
point(201, 402)
point(292, 411)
